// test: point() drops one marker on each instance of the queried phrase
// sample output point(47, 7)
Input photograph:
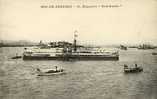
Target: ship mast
point(75, 36)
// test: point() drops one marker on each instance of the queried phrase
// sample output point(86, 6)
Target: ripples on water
point(82, 79)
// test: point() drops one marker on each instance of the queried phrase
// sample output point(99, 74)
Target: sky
point(135, 21)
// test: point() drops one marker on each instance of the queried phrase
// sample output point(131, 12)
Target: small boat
point(49, 72)
point(133, 69)
point(122, 47)
point(154, 53)
point(16, 57)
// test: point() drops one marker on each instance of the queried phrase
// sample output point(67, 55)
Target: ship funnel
point(75, 41)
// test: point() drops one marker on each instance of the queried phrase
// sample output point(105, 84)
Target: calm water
point(83, 79)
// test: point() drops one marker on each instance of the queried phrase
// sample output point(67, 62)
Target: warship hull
point(68, 51)
point(68, 58)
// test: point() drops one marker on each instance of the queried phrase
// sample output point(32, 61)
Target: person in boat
point(56, 68)
point(135, 65)
point(38, 69)
point(125, 66)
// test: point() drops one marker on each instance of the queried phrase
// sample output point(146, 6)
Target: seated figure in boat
point(135, 65)
point(125, 66)
point(38, 69)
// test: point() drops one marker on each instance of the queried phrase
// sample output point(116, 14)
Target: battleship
point(69, 52)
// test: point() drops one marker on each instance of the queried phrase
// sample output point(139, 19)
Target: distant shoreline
point(17, 45)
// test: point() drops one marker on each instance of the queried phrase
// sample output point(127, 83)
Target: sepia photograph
point(78, 49)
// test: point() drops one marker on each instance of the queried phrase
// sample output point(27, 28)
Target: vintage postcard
point(78, 49)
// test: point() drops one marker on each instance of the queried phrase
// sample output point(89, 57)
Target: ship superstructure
point(70, 53)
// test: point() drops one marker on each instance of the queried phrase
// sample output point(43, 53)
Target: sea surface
point(81, 80)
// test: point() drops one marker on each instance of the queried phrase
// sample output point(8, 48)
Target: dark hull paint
point(16, 57)
point(154, 53)
point(133, 70)
point(71, 58)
